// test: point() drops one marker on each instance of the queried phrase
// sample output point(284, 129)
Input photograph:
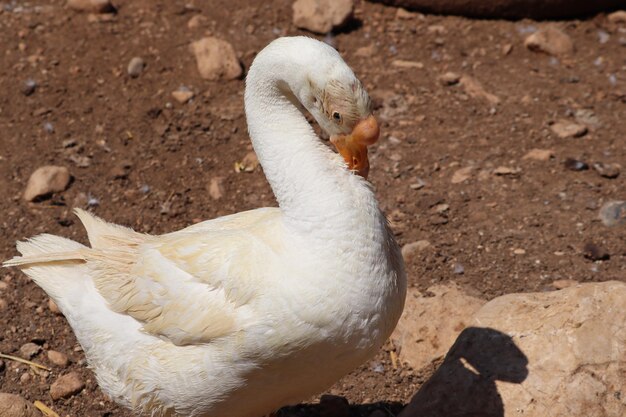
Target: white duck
point(243, 314)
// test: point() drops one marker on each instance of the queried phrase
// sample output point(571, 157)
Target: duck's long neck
point(313, 188)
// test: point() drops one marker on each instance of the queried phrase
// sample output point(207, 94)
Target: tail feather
point(46, 248)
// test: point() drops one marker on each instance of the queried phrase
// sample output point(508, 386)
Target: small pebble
point(458, 269)
point(519, 251)
point(66, 386)
point(48, 127)
point(613, 213)
point(575, 165)
point(182, 94)
point(58, 358)
point(607, 170)
point(449, 78)
point(29, 87)
point(565, 130)
point(135, 67)
point(29, 350)
point(3, 304)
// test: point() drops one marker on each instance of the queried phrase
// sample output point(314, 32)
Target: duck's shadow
point(463, 386)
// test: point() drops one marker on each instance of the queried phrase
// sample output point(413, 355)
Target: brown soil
point(429, 132)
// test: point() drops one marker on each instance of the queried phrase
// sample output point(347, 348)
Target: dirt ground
point(494, 234)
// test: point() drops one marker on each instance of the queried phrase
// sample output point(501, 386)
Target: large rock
point(45, 181)
point(511, 9)
point(216, 59)
point(561, 353)
point(431, 322)
point(322, 16)
point(12, 405)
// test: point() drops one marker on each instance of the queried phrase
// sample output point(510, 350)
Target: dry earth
point(514, 224)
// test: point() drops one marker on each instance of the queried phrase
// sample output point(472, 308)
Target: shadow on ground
point(463, 386)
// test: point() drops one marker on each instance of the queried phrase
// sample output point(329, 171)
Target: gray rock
point(613, 213)
point(135, 67)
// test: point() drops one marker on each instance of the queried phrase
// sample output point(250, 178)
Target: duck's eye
point(337, 116)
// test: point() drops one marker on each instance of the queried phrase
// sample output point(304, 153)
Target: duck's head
point(342, 107)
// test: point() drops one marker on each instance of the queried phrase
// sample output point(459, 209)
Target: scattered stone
point(29, 350)
point(135, 67)
point(196, 21)
point(575, 165)
point(507, 171)
point(460, 175)
point(66, 386)
point(410, 250)
point(29, 87)
point(12, 405)
point(25, 378)
point(121, 170)
point(91, 6)
point(595, 253)
point(366, 51)
point(53, 307)
point(248, 164)
point(550, 40)
point(45, 181)
point(3, 304)
point(475, 89)
point(507, 48)
point(81, 161)
point(588, 118)
point(607, 170)
point(519, 251)
point(564, 129)
point(58, 358)
point(400, 63)
point(560, 351)
point(182, 94)
point(405, 14)
point(458, 269)
point(334, 406)
point(322, 16)
point(539, 154)
point(418, 184)
point(613, 213)
point(216, 59)
point(617, 17)
point(561, 284)
point(431, 321)
point(449, 78)
point(216, 189)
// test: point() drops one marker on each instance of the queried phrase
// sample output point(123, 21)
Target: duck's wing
point(189, 287)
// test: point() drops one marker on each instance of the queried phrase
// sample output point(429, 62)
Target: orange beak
point(353, 147)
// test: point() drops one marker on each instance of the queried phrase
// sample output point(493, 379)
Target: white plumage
point(240, 315)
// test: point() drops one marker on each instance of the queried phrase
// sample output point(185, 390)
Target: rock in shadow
point(465, 383)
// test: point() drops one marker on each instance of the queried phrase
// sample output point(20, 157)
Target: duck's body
point(243, 314)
